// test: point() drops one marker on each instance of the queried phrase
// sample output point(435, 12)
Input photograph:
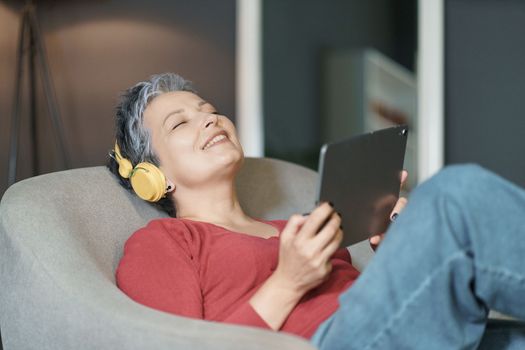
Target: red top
point(201, 270)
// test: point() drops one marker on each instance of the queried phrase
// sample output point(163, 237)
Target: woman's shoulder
point(154, 255)
point(160, 232)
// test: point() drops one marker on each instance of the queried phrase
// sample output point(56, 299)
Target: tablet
point(361, 176)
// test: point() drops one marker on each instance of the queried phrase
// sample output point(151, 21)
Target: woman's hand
point(304, 263)
point(400, 204)
point(306, 247)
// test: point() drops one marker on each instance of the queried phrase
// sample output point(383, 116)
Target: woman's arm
point(304, 263)
point(159, 270)
point(156, 272)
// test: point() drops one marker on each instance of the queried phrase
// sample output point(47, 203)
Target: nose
point(212, 119)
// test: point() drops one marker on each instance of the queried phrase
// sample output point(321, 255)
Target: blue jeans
point(456, 251)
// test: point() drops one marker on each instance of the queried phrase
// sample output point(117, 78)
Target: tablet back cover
point(361, 176)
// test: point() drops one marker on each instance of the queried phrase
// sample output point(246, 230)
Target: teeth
point(214, 140)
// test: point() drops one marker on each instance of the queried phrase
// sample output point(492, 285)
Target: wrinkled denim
point(456, 251)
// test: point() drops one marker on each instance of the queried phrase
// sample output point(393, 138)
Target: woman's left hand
point(400, 204)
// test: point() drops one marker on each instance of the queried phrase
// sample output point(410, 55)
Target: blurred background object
point(31, 55)
point(364, 91)
point(297, 35)
point(98, 48)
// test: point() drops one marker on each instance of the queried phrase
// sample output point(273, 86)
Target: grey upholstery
point(61, 237)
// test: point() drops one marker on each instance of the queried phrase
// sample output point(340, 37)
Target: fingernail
point(394, 217)
point(306, 214)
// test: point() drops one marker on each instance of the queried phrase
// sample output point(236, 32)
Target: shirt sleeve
point(161, 272)
point(157, 272)
point(246, 315)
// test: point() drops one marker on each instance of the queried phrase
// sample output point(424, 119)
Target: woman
point(214, 262)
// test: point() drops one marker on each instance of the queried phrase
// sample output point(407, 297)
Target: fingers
point(400, 204)
point(316, 219)
point(404, 177)
point(292, 227)
point(332, 246)
point(375, 240)
point(320, 232)
point(327, 234)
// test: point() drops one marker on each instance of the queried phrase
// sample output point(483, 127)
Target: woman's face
point(181, 125)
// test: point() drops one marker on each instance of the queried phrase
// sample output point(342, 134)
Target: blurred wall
point(295, 35)
point(485, 85)
point(97, 49)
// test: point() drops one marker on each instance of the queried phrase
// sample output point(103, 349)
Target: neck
point(217, 204)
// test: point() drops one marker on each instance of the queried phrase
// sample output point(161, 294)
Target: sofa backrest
point(83, 216)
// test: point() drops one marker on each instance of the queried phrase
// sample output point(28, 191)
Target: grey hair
point(132, 137)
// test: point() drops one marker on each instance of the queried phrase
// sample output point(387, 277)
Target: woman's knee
point(460, 181)
point(462, 174)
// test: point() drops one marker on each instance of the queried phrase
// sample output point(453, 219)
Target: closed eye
point(178, 125)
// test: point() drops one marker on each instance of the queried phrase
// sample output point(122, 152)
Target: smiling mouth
point(216, 140)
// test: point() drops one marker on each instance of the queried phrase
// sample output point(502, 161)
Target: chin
point(232, 158)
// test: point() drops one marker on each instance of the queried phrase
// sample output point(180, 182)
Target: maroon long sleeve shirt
point(204, 271)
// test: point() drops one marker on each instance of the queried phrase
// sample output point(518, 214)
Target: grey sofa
point(61, 238)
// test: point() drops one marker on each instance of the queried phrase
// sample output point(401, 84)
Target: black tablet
point(361, 176)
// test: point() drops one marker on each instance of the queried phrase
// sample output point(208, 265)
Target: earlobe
point(169, 186)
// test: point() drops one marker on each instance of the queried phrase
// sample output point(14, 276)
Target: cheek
point(182, 159)
point(174, 149)
point(230, 128)
point(190, 170)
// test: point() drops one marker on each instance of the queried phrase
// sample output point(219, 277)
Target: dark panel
point(295, 34)
point(485, 85)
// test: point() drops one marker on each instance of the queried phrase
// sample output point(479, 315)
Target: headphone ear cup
point(148, 182)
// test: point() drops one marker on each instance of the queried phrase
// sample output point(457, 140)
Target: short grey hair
point(131, 135)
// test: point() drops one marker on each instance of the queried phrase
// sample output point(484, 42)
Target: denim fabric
point(456, 251)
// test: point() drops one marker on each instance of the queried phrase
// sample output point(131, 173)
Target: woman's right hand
point(304, 263)
point(305, 252)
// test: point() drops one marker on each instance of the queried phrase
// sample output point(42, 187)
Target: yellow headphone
point(148, 181)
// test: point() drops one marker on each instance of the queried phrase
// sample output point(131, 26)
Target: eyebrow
point(170, 114)
point(201, 103)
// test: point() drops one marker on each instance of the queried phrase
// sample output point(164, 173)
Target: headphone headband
point(125, 168)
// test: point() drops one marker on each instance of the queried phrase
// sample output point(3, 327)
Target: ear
point(169, 185)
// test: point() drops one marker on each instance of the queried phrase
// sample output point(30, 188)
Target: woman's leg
point(457, 250)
